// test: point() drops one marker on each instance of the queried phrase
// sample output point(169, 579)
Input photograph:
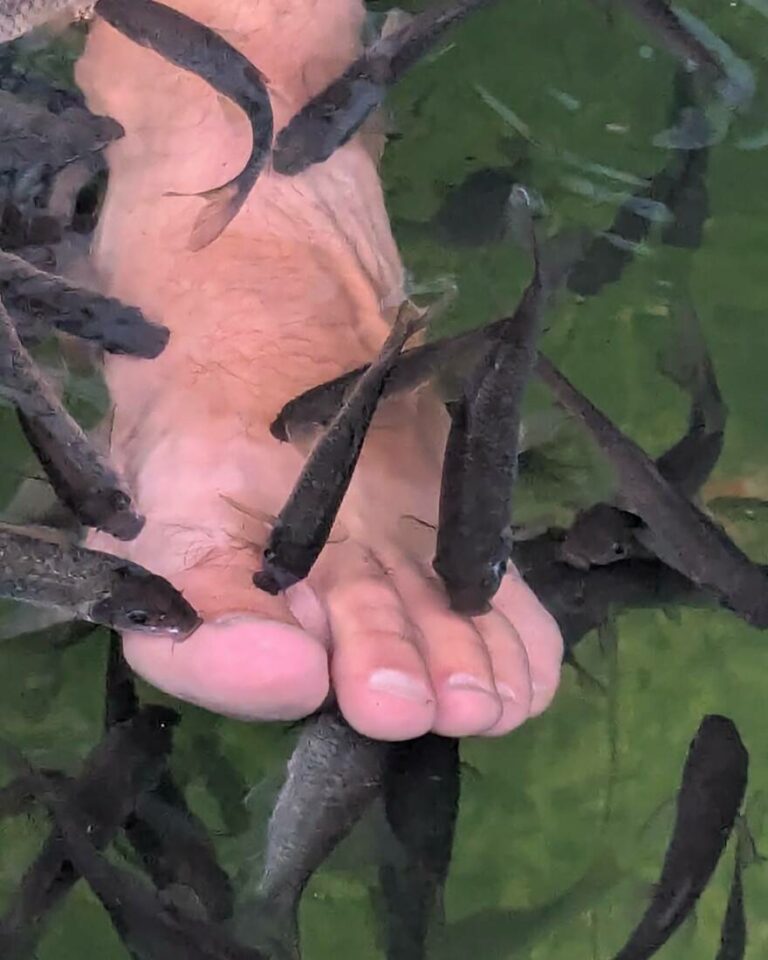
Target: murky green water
point(562, 825)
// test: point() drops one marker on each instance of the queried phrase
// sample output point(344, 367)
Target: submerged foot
point(294, 292)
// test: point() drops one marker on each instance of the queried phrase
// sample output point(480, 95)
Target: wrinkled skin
point(298, 289)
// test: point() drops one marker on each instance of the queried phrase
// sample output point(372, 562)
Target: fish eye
point(618, 549)
point(139, 618)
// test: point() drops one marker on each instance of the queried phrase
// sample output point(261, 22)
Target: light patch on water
point(506, 113)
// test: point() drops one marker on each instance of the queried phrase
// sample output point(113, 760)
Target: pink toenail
point(227, 619)
point(506, 692)
point(465, 681)
point(399, 685)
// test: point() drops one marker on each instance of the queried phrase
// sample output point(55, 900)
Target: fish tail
point(270, 926)
point(221, 206)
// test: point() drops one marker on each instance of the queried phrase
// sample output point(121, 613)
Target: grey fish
point(480, 464)
point(79, 312)
point(200, 50)
point(18, 17)
point(81, 478)
point(422, 786)
point(149, 930)
point(334, 774)
point(172, 844)
point(330, 119)
point(30, 134)
point(676, 530)
point(90, 585)
point(604, 533)
point(665, 24)
point(304, 524)
point(127, 760)
point(711, 792)
point(318, 405)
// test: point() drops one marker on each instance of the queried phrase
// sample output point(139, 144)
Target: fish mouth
point(182, 633)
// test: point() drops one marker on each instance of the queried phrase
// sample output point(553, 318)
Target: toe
point(457, 659)
point(239, 665)
point(511, 671)
point(539, 633)
point(379, 676)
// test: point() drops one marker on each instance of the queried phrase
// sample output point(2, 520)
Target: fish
point(334, 774)
point(171, 843)
point(480, 463)
point(676, 530)
point(670, 30)
point(18, 17)
point(149, 929)
point(331, 118)
point(65, 306)
point(304, 524)
point(79, 475)
point(127, 760)
point(38, 568)
point(421, 789)
point(31, 134)
point(604, 533)
point(711, 792)
point(680, 187)
point(318, 405)
point(196, 48)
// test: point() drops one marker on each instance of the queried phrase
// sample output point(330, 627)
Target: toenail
point(226, 619)
point(465, 681)
point(506, 692)
point(399, 685)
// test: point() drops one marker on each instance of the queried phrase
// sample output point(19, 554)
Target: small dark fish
point(172, 843)
point(712, 789)
point(30, 134)
point(422, 785)
point(80, 477)
point(334, 774)
point(126, 762)
point(676, 530)
point(79, 312)
point(149, 929)
point(36, 568)
point(200, 50)
point(604, 534)
point(480, 465)
point(459, 353)
point(304, 524)
point(665, 24)
point(330, 119)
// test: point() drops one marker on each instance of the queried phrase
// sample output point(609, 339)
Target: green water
point(563, 824)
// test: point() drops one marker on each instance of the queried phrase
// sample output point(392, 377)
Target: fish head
point(472, 598)
point(144, 602)
point(599, 536)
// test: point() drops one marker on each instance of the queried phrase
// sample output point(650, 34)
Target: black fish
point(304, 524)
point(334, 774)
point(676, 530)
point(172, 843)
point(126, 762)
point(200, 50)
point(149, 929)
point(31, 135)
point(712, 789)
point(421, 800)
point(331, 118)
point(480, 465)
point(603, 533)
point(459, 353)
point(88, 585)
point(80, 477)
point(72, 309)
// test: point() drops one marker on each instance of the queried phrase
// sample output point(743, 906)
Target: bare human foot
point(295, 291)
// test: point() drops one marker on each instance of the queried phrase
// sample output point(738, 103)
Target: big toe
point(239, 665)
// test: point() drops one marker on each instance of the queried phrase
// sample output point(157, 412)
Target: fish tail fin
point(221, 206)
